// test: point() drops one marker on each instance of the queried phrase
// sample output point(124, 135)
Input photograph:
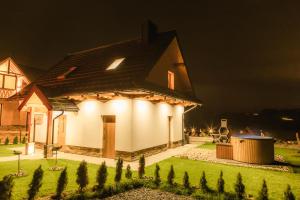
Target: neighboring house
point(117, 100)
point(13, 78)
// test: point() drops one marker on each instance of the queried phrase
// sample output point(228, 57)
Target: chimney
point(149, 32)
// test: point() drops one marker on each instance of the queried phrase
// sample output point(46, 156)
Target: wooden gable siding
point(171, 60)
point(9, 69)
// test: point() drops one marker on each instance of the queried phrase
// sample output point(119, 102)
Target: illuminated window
point(171, 80)
point(8, 82)
point(64, 75)
point(115, 64)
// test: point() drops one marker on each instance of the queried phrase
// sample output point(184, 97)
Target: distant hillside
point(281, 124)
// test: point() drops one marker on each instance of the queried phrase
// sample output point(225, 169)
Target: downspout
point(192, 108)
point(53, 121)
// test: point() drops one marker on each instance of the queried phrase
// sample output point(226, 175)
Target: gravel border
point(148, 194)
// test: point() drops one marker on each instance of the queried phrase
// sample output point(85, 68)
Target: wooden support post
point(48, 147)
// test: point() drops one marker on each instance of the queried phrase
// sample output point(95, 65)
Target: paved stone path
point(97, 160)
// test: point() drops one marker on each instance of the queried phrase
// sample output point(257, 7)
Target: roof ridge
point(114, 43)
point(101, 47)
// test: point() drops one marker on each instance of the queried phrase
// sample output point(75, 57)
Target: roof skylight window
point(115, 64)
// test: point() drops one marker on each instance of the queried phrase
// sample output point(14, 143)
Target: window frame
point(171, 80)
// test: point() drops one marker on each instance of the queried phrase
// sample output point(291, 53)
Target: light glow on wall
point(120, 105)
point(141, 105)
point(163, 108)
point(89, 106)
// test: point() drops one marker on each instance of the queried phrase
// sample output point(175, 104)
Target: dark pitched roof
point(91, 76)
point(31, 73)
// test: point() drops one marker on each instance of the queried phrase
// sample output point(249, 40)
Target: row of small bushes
point(101, 190)
point(15, 140)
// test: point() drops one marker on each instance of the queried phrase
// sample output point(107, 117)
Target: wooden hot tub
point(253, 149)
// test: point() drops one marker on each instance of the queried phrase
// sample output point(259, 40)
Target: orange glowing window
point(171, 80)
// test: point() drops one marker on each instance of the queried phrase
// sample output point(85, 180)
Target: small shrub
point(128, 173)
point(141, 169)
point(101, 176)
point(23, 140)
point(239, 187)
point(157, 179)
point(288, 194)
point(171, 176)
point(221, 183)
point(36, 183)
point(119, 167)
point(16, 140)
point(263, 193)
point(82, 176)
point(203, 183)
point(186, 182)
point(61, 183)
point(6, 186)
point(6, 142)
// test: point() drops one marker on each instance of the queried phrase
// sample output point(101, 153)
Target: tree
point(203, 183)
point(263, 193)
point(171, 176)
point(82, 176)
point(6, 186)
point(288, 194)
point(128, 173)
point(61, 183)
point(6, 142)
point(16, 140)
point(36, 183)
point(221, 183)
point(141, 169)
point(101, 176)
point(119, 167)
point(186, 182)
point(157, 179)
point(239, 187)
point(24, 140)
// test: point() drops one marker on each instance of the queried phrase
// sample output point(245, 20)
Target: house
point(13, 78)
point(118, 100)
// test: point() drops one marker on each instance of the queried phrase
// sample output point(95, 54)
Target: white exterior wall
point(139, 124)
point(85, 128)
point(151, 124)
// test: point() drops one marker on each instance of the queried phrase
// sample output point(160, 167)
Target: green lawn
point(291, 156)
point(208, 145)
point(50, 177)
point(277, 181)
point(6, 151)
point(252, 178)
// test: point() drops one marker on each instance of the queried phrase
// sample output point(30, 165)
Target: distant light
point(210, 130)
point(255, 114)
point(115, 64)
point(287, 119)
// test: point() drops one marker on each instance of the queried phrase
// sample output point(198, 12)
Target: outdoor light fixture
point(115, 64)
point(287, 119)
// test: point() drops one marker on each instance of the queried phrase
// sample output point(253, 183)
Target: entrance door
point(61, 137)
point(169, 131)
point(109, 123)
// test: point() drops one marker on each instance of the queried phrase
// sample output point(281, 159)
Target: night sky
point(242, 56)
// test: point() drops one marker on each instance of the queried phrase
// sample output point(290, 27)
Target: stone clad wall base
point(88, 151)
point(125, 155)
